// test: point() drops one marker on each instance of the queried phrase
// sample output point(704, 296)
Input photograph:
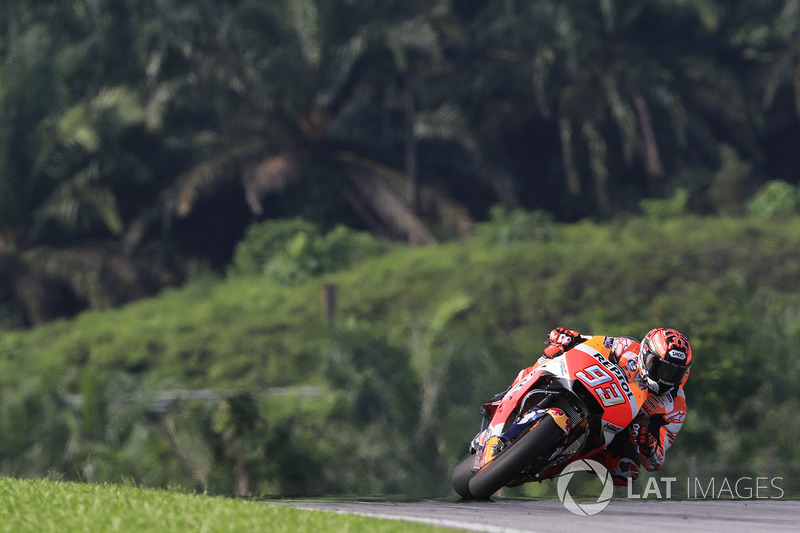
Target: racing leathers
point(654, 429)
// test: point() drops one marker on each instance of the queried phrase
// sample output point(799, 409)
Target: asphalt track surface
point(551, 516)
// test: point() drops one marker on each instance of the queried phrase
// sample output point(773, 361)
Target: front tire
point(542, 438)
point(461, 476)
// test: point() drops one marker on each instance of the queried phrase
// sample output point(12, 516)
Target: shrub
point(775, 199)
point(263, 241)
point(507, 226)
point(732, 182)
point(290, 251)
point(663, 209)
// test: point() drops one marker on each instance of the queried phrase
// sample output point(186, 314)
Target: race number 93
point(596, 377)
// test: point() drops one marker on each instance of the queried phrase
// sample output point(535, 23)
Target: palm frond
point(598, 162)
point(75, 129)
point(568, 156)
point(81, 270)
point(784, 68)
point(797, 89)
point(305, 17)
point(202, 178)
point(371, 182)
point(268, 175)
point(446, 123)
point(709, 12)
point(652, 159)
point(676, 110)
point(103, 203)
point(181, 197)
point(412, 36)
point(453, 216)
point(541, 72)
point(343, 62)
point(623, 115)
point(99, 275)
point(390, 208)
point(108, 114)
point(162, 209)
point(63, 205)
point(119, 105)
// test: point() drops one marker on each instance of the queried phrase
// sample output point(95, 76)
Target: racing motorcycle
point(563, 409)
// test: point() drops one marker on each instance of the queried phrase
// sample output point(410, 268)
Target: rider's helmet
point(664, 359)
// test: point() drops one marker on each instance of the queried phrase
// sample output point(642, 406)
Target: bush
point(290, 251)
point(263, 241)
point(507, 226)
point(776, 199)
point(732, 182)
point(663, 209)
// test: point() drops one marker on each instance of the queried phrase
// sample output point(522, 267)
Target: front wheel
point(542, 438)
point(461, 476)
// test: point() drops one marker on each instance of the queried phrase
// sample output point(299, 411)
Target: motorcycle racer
point(659, 363)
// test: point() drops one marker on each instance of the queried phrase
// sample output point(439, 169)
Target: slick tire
point(541, 439)
point(461, 476)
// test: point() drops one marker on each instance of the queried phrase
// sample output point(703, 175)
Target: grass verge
point(42, 506)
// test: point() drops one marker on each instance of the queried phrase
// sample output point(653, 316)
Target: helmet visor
point(662, 371)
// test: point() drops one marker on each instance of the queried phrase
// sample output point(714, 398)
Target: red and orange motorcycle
point(564, 409)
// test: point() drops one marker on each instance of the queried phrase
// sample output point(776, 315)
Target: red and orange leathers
point(666, 412)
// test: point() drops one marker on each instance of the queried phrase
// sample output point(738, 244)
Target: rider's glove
point(560, 340)
point(645, 440)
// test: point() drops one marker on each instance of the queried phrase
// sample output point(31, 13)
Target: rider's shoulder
point(679, 396)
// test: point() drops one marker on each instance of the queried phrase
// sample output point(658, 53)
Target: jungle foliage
point(139, 139)
point(179, 179)
point(241, 386)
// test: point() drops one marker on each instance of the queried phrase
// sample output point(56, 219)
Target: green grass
point(41, 506)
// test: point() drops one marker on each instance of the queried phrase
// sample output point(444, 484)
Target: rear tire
point(461, 476)
point(532, 446)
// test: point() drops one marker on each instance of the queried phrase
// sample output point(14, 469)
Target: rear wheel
point(461, 476)
point(542, 438)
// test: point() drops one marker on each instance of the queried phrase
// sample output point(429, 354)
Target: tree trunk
point(411, 146)
point(568, 157)
point(652, 159)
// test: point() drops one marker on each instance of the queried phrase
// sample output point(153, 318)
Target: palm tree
point(785, 62)
point(63, 163)
point(625, 92)
point(313, 99)
point(778, 51)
